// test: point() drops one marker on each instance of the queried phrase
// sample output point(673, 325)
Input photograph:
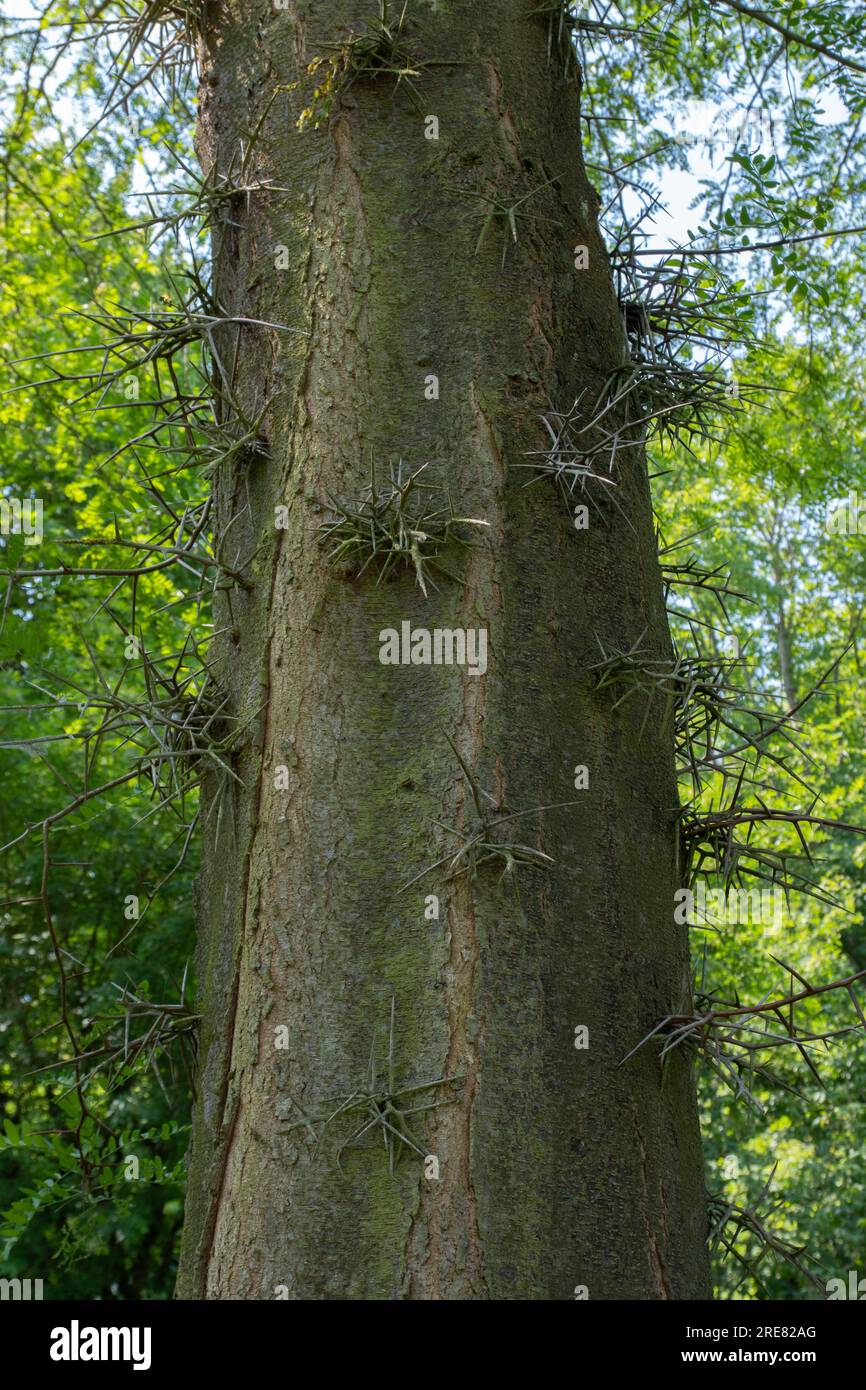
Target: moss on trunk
point(558, 1167)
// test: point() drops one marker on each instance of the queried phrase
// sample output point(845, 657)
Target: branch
point(753, 246)
point(770, 1006)
point(791, 35)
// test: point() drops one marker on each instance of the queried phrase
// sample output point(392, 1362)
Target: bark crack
point(654, 1253)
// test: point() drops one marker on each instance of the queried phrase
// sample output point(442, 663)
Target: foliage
point(72, 1213)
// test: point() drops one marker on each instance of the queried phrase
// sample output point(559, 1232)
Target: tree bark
point(559, 1168)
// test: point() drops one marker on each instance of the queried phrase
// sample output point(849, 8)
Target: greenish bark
point(558, 1166)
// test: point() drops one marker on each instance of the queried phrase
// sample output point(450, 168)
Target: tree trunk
point(559, 1169)
point(783, 630)
point(786, 661)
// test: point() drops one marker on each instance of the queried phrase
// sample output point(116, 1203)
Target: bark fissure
point(654, 1248)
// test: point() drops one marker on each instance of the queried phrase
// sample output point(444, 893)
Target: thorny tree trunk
point(558, 1167)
